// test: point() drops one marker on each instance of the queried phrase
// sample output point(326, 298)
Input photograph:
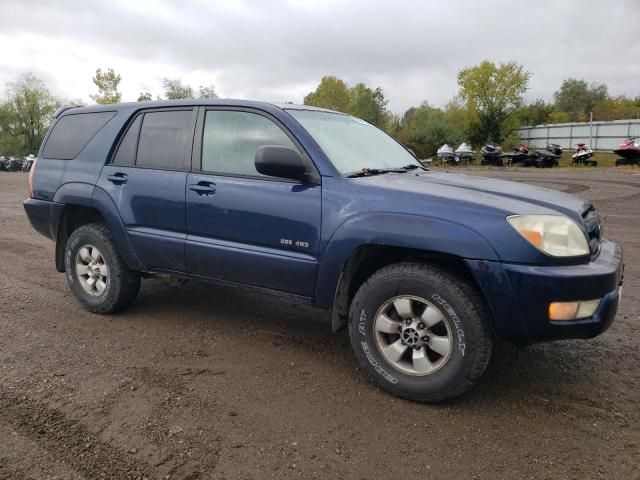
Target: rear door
point(146, 180)
point(242, 226)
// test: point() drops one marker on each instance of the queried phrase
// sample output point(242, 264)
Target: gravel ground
point(199, 382)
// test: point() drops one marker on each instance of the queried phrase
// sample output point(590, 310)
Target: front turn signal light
point(572, 310)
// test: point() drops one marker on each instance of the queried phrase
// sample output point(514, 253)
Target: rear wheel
point(96, 273)
point(420, 332)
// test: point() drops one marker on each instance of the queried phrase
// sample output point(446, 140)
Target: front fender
point(395, 230)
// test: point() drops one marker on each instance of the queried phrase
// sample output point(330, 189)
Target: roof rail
point(63, 108)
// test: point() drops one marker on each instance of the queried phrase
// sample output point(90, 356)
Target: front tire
point(95, 271)
point(420, 332)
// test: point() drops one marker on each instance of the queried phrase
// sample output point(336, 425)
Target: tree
point(207, 92)
point(174, 89)
point(144, 97)
point(359, 100)
point(493, 92)
point(578, 98)
point(424, 129)
point(107, 83)
point(25, 117)
point(331, 93)
point(536, 113)
point(618, 108)
point(368, 104)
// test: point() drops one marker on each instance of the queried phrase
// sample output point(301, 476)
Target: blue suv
point(426, 269)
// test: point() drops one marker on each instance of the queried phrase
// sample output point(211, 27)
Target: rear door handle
point(203, 188)
point(117, 178)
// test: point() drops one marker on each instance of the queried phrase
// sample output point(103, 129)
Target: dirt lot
point(209, 382)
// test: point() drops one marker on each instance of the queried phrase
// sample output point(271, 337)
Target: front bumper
point(519, 295)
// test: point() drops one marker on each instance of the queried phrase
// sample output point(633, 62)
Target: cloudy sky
point(279, 50)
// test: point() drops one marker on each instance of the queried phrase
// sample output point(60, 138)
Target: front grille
point(594, 229)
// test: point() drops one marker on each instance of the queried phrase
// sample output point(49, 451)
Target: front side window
point(353, 144)
point(165, 140)
point(232, 138)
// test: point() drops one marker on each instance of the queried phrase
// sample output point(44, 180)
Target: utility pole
point(590, 129)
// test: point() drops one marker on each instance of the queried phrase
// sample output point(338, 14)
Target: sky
point(278, 50)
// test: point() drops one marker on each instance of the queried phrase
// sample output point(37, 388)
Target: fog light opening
point(573, 310)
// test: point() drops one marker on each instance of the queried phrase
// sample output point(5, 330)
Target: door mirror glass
point(280, 161)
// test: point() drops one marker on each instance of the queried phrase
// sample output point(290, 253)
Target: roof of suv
point(190, 103)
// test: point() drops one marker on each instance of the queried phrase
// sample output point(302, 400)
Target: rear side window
point(72, 133)
point(231, 140)
point(126, 155)
point(165, 140)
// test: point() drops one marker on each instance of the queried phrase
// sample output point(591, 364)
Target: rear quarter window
point(72, 133)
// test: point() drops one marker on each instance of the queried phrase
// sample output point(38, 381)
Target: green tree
point(26, 115)
point(424, 129)
point(144, 97)
point(536, 113)
point(331, 93)
point(107, 83)
point(578, 98)
point(493, 92)
point(359, 100)
point(368, 104)
point(207, 91)
point(174, 89)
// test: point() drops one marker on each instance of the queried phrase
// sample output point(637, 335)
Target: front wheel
point(420, 332)
point(96, 273)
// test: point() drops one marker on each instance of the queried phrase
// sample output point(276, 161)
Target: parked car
point(426, 269)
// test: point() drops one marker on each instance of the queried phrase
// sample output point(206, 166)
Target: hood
point(504, 196)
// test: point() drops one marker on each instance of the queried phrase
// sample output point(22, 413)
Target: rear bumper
point(44, 216)
point(519, 295)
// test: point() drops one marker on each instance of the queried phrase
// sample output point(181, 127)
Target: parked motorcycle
point(629, 150)
point(548, 157)
point(492, 155)
point(582, 156)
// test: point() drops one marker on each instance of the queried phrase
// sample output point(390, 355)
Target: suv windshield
point(353, 144)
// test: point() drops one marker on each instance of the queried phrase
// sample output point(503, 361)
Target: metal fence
point(598, 135)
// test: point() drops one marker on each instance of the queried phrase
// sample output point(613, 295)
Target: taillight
point(33, 167)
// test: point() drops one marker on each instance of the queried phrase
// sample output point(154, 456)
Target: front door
point(245, 227)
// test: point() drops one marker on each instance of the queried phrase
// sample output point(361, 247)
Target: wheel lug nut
point(408, 321)
point(421, 325)
point(416, 347)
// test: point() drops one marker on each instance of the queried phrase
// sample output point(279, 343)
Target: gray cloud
point(279, 50)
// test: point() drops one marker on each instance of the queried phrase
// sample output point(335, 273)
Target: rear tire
point(95, 271)
point(399, 304)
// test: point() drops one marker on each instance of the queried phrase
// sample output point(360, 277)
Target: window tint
point(165, 140)
point(72, 133)
point(231, 140)
point(127, 150)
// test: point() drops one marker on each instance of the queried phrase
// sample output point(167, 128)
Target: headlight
point(555, 235)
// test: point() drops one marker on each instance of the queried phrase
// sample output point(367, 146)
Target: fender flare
point(427, 234)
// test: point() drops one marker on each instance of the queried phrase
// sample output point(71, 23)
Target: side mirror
point(280, 161)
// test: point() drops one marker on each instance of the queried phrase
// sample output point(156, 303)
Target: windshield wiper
point(368, 172)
